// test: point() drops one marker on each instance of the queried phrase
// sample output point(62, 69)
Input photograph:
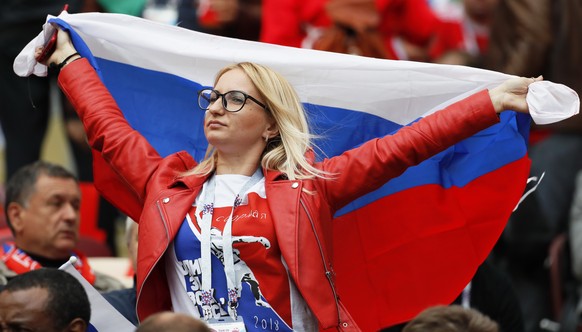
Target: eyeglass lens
point(232, 101)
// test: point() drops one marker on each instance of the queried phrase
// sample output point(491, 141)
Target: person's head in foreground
point(452, 318)
point(172, 322)
point(44, 300)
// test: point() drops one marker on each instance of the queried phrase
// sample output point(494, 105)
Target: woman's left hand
point(63, 49)
point(510, 95)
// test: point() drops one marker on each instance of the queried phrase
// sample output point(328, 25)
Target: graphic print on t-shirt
point(242, 271)
point(251, 217)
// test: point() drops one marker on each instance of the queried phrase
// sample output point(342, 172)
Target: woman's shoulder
point(181, 160)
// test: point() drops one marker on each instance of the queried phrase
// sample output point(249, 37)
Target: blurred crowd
point(530, 281)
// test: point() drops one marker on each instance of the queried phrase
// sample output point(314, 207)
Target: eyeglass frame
point(224, 102)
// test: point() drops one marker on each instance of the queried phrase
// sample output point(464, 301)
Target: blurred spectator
point(172, 322)
point(464, 40)
point(48, 300)
point(124, 300)
point(575, 239)
point(25, 110)
point(107, 215)
point(128, 7)
point(229, 18)
point(42, 211)
point(162, 11)
point(452, 318)
point(491, 293)
point(393, 29)
point(533, 37)
point(452, 9)
point(25, 103)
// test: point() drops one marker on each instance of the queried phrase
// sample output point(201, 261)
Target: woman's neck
point(242, 164)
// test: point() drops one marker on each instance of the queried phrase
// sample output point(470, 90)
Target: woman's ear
point(272, 130)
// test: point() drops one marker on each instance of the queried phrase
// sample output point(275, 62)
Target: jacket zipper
point(162, 255)
point(328, 273)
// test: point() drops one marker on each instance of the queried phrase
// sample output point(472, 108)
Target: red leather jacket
point(302, 210)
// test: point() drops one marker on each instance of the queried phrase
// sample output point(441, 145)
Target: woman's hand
point(510, 95)
point(63, 49)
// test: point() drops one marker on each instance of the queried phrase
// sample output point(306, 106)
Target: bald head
point(172, 322)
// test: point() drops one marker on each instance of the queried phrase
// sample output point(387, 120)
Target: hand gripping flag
point(416, 241)
point(104, 317)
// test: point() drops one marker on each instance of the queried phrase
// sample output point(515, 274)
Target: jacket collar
point(191, 182)
point(270, 175)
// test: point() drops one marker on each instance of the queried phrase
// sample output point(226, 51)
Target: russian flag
point(104, 317)
point(414, 242)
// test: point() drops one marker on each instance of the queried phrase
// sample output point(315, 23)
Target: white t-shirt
point(269, 300)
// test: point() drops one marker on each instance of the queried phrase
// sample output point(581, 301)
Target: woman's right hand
point(64, 48)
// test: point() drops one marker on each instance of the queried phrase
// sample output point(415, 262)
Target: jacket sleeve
point(126, 152)
point(379, 160)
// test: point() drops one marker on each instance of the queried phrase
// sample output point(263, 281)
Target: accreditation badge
point(227, 325)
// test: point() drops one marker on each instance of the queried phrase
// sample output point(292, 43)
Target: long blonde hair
point(285, 152)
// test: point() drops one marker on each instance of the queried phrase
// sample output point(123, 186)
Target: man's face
point(24, 310)
point(48, 225)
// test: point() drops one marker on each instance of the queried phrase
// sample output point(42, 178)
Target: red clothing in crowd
point(460, 35)
point(295, 22)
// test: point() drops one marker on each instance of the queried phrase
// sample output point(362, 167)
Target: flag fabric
point(104, 317)
point(414, 242)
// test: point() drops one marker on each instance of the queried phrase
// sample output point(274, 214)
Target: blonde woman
point(259, 192)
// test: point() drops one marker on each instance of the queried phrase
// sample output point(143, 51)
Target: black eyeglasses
point(232, 101)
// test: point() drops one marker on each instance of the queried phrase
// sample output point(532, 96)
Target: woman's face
point(237, 132)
